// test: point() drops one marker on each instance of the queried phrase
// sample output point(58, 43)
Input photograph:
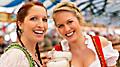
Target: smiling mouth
point(69, 34)
point(39, 32)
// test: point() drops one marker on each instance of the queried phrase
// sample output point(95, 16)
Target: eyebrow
point(44, 16)
point(58, 24)
point(67, 21)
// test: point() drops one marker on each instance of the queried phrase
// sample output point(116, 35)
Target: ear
point(19, 24)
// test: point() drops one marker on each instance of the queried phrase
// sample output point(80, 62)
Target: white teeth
point(69, 34)
point(39, 32)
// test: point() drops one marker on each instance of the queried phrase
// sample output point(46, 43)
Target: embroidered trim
point(17, 46)
point(98, 47)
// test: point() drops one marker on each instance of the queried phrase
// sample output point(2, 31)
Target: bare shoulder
point(104, 41)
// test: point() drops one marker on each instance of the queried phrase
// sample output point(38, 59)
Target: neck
point(78, 44)
point(29, 45)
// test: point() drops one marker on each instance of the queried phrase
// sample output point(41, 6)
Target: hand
point(45, 58)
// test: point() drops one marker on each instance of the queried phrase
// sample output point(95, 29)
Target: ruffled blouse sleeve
point(13, 58)
point(111, 55)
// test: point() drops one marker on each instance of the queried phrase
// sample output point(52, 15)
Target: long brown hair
point(21, 14)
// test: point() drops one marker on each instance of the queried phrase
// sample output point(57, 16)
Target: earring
point(21, 30)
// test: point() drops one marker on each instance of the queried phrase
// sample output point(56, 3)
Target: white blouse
point(14, 58)
point(111, 55)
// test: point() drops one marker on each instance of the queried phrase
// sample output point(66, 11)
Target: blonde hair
point(69, 6)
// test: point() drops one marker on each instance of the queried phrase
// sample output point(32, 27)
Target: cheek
point(46, 26)
point(28, 26)
point(61, 31)
point(76, 25)
point(78, 28)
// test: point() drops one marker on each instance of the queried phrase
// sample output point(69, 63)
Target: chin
point(40, 39)
point(73, 39)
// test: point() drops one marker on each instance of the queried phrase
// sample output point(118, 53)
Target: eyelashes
point(45, 19)
point(69, 22)
point(60, 26)
point(34, 18)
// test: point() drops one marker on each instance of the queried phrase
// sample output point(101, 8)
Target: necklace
point(37, 54)
point(37, 64)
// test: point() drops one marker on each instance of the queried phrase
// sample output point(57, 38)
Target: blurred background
point(102, 18)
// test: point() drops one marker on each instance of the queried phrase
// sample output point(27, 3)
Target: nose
point(67, 27)
point(40, 23)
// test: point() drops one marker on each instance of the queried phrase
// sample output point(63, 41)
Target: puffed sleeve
point(111, 55)
point(14, 58)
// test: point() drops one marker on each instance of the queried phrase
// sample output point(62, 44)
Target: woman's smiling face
point(35, 23)
point(67, 24)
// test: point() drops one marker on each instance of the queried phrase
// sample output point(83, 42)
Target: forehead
point(38, 10)
point(63, 15)
point(62, 12)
